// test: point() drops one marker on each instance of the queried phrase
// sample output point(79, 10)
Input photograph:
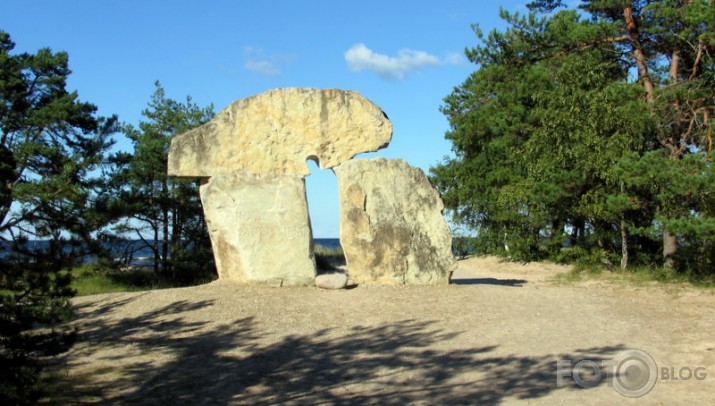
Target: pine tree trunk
point(176, 229)
point(155, 248)
point(670, 242)
point(641, 61)
point(624, 244)
point(165, 244)
point(165, 229)
point(670, 247)
point(577, 231)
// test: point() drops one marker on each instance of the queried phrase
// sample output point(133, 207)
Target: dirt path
point(494, 337)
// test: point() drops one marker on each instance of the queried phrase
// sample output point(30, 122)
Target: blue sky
point(405, 56)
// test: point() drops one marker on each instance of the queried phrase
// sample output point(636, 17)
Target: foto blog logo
point(631, 373)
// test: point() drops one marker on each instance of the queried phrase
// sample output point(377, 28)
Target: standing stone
point(392, 229)
point(254, 155)
point(277, 131)
point(260, 229)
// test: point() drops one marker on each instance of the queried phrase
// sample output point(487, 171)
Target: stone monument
point(391, 225)
point(252, 159)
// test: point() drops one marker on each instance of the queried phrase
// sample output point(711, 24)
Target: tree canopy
point(51, 144)
point(62, 193)
point(581, 133)
point(164, 213)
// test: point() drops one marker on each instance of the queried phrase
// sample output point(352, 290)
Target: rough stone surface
point(332, 280)
point(392, 229)
point(254, 155)
point(260, 229)
point(277, 131)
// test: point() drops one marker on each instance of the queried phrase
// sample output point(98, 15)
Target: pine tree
point(51, 146)
point(669, 44)
point(559, 101)
point(165, 214)
point(525, 127)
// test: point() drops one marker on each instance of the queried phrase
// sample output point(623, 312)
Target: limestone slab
point(260, 228)
point(277, 131)
point(392, 228)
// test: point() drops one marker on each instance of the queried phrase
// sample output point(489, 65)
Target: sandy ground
point(495, 336)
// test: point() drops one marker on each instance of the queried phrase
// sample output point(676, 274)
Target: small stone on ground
point(333, 280)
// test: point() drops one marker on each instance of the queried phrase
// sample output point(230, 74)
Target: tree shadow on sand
point(516, 283)
point(182, 362)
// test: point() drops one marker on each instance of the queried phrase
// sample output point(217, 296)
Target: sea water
point(137, 252)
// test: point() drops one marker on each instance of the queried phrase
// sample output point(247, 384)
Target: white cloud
point(259, 61)
point(359, 57)
point(455, 58)
point(262, 67)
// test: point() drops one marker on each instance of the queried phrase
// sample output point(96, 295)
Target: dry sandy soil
point(495, 336)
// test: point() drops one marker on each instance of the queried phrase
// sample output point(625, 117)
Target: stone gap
point(321, 187)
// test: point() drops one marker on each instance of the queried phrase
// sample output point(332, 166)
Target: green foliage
point(51, 143)
point(463, 245)
point(682, 189)
point(166, 214)
point(638, 275)
point(91, 279)
point(529, 127)
point(583, 258)
point(327, 258)
point(556, 144)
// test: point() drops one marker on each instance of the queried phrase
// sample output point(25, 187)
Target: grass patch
point(91, 280)
point(669, 276)
point(639, 276)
